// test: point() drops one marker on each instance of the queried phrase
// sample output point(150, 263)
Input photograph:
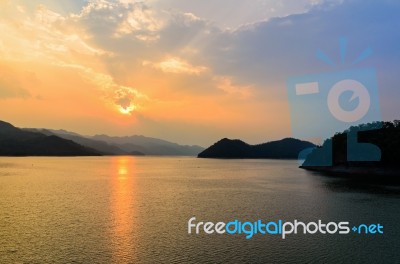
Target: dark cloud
point(272, 51)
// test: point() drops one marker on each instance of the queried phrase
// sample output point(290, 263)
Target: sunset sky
point(188, 71)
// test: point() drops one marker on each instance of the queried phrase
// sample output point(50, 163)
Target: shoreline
point(355, 170)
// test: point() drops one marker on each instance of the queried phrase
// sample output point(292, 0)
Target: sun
point(126, 110)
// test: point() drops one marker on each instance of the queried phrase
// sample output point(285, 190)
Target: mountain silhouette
point(18, 142)
point(384, 135)
point(129, 145)
point(149, 145)
point(100, 146)
point(287, 148)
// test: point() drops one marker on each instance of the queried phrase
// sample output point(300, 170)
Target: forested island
point(384, 135)
point(287, 148)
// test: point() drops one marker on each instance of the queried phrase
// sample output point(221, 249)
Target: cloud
point(226, 84)
point(159, 60)
point(176, 65)
point(45, 35)
point(51, 38)
point(125, 98)
point(139, 19)
point(262, 54)
point(265, 54)
point(122, 98)
point(234, 13)
point(117, 19)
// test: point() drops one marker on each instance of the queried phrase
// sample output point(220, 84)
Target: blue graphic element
point(361, 151)
point(324, 58)
point(326, 103)
point(343, 48)
point(365, 54)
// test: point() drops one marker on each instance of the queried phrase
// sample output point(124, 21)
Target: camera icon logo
point(359, 91)
point(324, 104)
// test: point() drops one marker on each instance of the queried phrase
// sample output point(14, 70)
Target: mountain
point(100, 146)
point(18, 142)
point(150, 146)
point(137, 153)
point(385, 136)
point(131, 145)
point(287, 148)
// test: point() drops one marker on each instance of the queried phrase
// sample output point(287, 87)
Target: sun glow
point(126, 110)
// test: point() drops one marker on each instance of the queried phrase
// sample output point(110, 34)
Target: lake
point(136, 210)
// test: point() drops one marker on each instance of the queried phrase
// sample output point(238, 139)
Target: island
point(384, 135)
point(287, 148)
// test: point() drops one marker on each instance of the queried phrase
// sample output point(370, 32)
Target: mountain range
point(49, 142)
point(39, 142)
point(287, 148)
point(18, 142)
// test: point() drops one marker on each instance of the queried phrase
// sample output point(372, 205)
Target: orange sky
point(190, 72)
point(56, 74)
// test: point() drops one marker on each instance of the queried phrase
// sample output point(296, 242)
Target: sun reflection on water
point(122, 208)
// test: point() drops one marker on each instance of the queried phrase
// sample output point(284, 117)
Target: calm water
point(135, 210)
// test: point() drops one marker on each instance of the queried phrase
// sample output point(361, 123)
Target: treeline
point(385, 135)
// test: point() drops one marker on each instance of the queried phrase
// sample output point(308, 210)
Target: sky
point(191, 71)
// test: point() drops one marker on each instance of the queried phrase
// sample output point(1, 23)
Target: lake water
point(136, 209)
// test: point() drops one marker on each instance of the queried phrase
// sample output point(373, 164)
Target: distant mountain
point(150, 146)
point(18, 142)
point(287, 148)
point(137, 153)
point(130, 145)
point(100, 146)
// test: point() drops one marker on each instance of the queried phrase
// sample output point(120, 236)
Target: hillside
point(130, 145)
point(287, 148)
point(384, 135)
point(100, 146)
point(17, 142)
point(149, 145)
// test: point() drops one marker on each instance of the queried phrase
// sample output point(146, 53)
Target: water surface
point(135, 210)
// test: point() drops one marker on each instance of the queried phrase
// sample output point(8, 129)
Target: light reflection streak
point(122, 208)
